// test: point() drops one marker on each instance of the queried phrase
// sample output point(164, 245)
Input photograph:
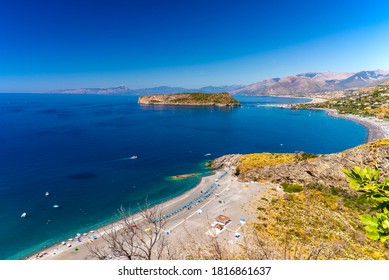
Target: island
point(192, 99)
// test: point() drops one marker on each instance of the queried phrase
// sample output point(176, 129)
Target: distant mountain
point(291, 85)
point(326, 76)
point(212, 89)
point(298, 85)
point(112, 90)
point(144, 91)
point(314, 82)
point(365, 78)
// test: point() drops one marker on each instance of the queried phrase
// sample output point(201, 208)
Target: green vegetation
point(205, 98)
point(195, 98)
point(367, 181)
point(370, 102)
point(304, 156)
point(291, 188)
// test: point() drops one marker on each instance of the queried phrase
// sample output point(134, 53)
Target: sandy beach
point(231, 199)
point(377, 128)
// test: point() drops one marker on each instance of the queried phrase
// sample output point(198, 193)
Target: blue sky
point(59, 44)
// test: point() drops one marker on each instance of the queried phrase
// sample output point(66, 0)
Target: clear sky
point(57, 44)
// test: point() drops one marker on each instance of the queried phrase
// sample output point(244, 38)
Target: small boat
point(47, 194)
point(133, 157)
point(23, 215)
point(207, 155)
point(55, 206)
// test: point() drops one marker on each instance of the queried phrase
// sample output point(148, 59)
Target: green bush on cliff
point(367, 181)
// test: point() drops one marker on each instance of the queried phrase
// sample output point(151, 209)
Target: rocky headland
point(192, 99)
point(325, 170)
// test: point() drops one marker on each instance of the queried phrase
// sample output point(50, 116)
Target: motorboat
point(47, 194)
point(23, 215)
point(55, 206)
point(133, 157)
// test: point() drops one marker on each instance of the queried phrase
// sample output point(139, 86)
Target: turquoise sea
point(78, 148)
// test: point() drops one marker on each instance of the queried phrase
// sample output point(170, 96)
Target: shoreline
point(231, 198)
point(60, 251)
point(377, 129)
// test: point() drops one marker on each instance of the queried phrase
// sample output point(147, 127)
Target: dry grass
point(252, 161)
point(313, 219)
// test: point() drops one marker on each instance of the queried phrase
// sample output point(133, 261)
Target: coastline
point(57, 249)
point(376, 130)
point(235, 196)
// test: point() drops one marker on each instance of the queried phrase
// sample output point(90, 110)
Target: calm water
point(77, 148)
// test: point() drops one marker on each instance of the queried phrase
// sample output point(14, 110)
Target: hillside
point(314, 83)
point(315, 214)
point(194, 99)
point(371, 101)
point(325, 170)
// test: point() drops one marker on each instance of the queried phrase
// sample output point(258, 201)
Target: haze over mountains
point(300, 84)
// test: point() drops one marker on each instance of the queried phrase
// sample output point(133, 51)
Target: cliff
point(325, 170)
point(194, 99)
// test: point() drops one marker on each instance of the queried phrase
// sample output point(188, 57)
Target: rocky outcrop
point(325, 170)
point(227, 161)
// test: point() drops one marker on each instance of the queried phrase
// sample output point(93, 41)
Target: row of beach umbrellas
point(198, 199)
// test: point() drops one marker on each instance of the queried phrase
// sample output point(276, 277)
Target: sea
point(92, 154)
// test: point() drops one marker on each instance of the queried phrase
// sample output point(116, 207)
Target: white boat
point(56, 206)
point(47, 194)
point(207, 155)
point(133, 157)
point(23, 215)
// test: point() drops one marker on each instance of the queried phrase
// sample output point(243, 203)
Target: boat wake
point(129, 158)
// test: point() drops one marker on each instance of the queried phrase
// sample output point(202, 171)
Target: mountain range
point(145, 91)
point(314, 82)
point(294, 85)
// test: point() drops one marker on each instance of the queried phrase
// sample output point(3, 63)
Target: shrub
point(291, 188)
